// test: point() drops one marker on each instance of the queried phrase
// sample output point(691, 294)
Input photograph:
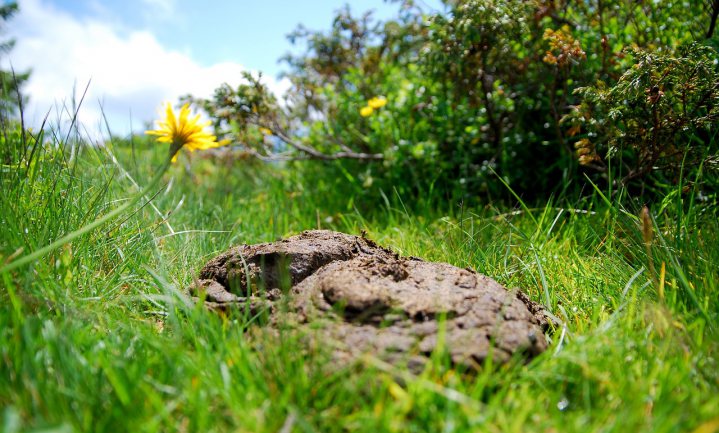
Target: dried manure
point(366, 299)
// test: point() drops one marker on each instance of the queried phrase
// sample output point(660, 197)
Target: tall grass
point(100, 336)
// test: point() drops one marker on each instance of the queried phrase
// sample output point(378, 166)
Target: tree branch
point(714, 16)
point(316, 154)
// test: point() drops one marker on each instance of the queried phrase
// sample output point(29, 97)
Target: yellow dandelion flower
point(366, 111)
point(184, 131)
point(377, 102)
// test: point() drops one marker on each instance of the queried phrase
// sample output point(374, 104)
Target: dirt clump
point(365, 299)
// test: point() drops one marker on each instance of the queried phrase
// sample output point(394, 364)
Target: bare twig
point(316, 154)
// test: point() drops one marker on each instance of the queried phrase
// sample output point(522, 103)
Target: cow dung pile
point(365, 299)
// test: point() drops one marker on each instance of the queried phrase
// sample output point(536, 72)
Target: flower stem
point(85, 229)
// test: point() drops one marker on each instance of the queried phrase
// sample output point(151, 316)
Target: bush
point(487, 90)
point(658, 119)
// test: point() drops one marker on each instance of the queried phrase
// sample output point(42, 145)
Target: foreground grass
point(99, 336)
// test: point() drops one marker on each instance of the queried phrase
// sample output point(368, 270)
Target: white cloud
point(130, 73)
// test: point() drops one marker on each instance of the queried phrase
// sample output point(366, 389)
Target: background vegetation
point(537, 94)
point(10, 81)
point(518, 138)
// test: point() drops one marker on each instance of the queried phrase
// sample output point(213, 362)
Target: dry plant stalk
point(648, 236)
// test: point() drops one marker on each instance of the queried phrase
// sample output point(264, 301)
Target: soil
point(365, 299)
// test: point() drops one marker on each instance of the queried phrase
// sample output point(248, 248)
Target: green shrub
point(658, 118)
point(482, 92)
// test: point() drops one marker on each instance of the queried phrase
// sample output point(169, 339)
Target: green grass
point(99, 335)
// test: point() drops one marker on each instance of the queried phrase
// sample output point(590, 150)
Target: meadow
point(99, 335)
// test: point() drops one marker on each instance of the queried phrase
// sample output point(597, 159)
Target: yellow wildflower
point(366, 111)
point(377, 102)
point(184, 131)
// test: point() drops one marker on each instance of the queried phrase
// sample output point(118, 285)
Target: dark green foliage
point(660, 117)
point(480, 96)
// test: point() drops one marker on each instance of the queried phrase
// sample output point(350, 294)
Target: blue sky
point(137, 53)
point(252, 32)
